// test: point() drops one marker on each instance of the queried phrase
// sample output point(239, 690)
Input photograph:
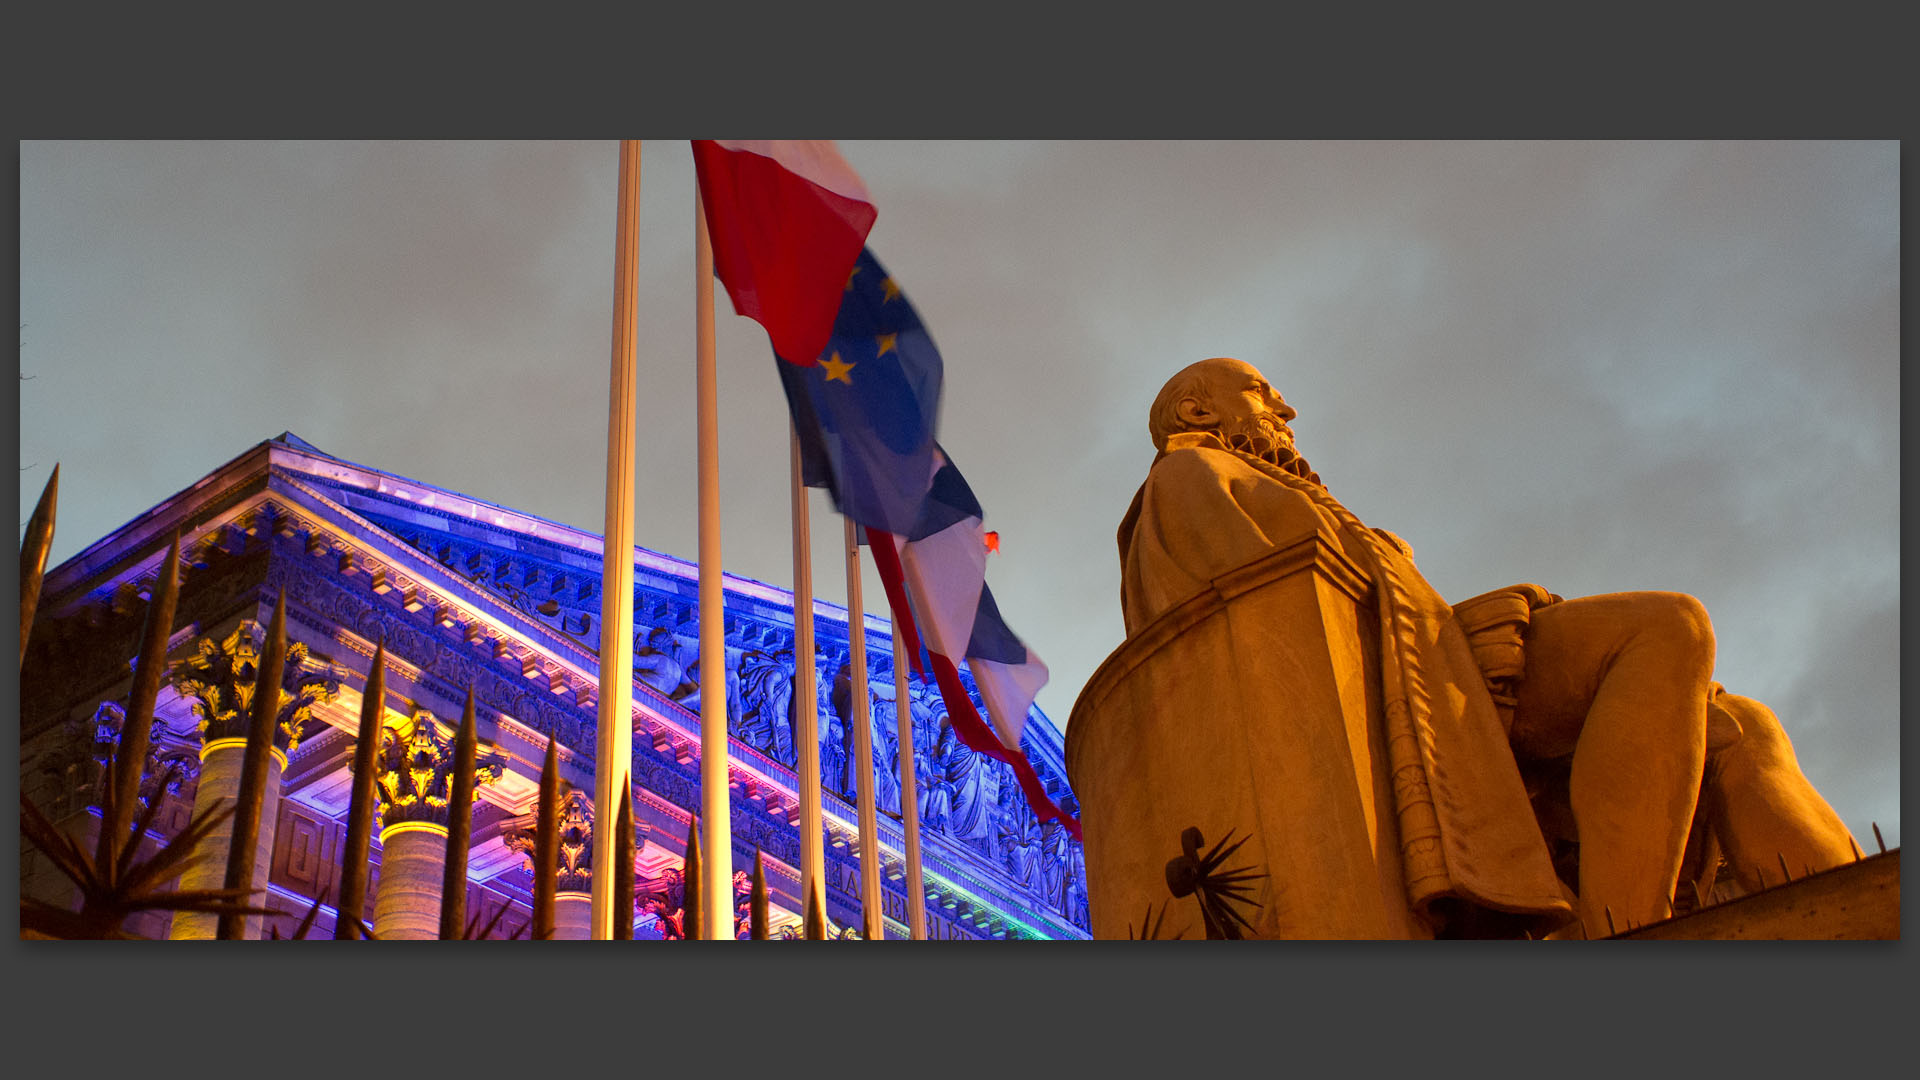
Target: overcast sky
point(1599, 367)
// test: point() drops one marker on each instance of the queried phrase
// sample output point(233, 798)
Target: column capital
point(415, 773)
point(575, 842)
point(219, 680)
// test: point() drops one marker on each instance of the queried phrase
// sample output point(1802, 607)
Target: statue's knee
point(1679, 622)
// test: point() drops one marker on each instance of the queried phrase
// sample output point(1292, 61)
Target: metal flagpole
point(909, 792)
point(806, 696)
point(613, 752)
point(716, 854)
point(871, 923)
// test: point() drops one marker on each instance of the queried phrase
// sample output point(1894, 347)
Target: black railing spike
point(1611, 930)
point(1877, 838)
point(1784, 872)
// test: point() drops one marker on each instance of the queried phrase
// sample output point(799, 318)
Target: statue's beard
point(1263, 437)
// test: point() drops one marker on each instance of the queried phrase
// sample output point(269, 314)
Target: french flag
point(936, 582)
point(787, 220)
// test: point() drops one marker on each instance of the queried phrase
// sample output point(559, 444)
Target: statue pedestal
point(1253, 708)
point(1857, 901)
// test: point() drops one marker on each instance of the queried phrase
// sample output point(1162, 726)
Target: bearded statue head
point(1232, 400)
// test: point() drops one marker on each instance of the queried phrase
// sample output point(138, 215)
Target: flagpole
point(909, 793)
point(871, 923)
point(613, 756)
point(806, 694)
point(716, 849)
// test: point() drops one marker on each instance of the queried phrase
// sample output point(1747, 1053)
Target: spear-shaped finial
point(253, 765)
point(546, 844)
point(694, 921)
point(136, 734)
point(816, 919)
point(758, 918)
point(623, 855)
point(453, 885)
point(358, 847)
point(33, 554)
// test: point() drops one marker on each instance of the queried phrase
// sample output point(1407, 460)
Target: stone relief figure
point(735, 700)
point(1053, 864)
point(766, 702)
point(1616, 689)
point(1020, 844)
point(688, 693)
point(742, 905)
point(886, 756)
point(1076, 873)
point(936, 792)
point(668, 920)
point(972, 783)
point(660, 664)
point(836, 739)
point(668, 904)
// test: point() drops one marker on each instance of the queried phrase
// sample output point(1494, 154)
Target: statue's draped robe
point(1467, 829)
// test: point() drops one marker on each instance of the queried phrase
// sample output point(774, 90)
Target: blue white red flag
point(942, 565)
point(865, 417)
point(787, 219)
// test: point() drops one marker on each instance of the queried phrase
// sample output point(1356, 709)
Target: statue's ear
point(1194, 413)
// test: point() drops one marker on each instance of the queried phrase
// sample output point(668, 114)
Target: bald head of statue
point(1232, 400)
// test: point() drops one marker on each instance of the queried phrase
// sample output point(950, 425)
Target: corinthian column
point(573, 890)
point(219, 681)
point(414, 784)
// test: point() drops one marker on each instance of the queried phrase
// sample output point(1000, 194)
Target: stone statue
point(936, 792)
point(836, 737)
point(1020, 845)
point(971, 786)
point(766, 690)
point(1053, 864)
point(689, 692)
point(1609, 696)
point(886, 755)
point(661, 664)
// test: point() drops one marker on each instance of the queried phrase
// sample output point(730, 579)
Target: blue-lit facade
point(466, 593)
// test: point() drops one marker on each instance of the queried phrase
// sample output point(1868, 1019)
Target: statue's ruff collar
point(1296, 467)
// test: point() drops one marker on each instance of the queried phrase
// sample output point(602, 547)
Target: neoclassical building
point(468, 594)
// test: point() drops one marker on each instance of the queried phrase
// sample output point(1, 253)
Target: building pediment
point(466, 592)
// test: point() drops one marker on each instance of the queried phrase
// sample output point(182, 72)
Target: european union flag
point(866, 411)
